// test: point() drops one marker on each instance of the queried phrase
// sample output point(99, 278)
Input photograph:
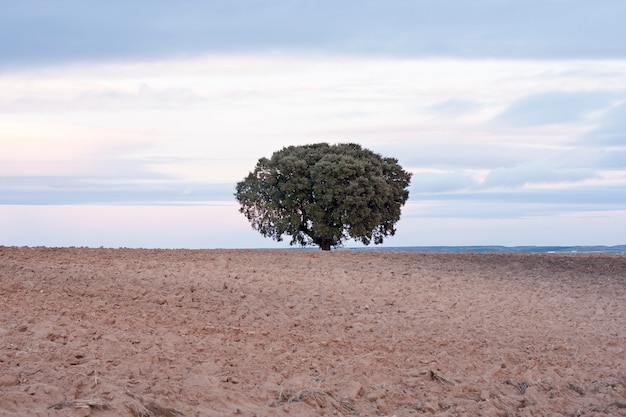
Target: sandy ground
point(124, 332)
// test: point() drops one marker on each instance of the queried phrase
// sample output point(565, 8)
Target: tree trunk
point(325, 246)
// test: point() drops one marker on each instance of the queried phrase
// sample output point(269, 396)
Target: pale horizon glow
point(138, 145)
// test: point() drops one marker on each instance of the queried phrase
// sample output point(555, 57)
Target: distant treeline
point(620, 249)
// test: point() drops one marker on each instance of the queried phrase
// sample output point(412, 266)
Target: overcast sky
point(129, 123)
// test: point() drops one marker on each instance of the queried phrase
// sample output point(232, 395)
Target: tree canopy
point(323, 194)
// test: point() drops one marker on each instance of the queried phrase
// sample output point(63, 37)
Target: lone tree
point(323, 194)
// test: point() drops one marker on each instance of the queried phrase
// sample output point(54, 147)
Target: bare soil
point(129, 332)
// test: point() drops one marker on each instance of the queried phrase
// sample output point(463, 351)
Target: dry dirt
point(123, 332)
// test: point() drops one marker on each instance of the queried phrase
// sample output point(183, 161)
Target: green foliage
point(324, 194)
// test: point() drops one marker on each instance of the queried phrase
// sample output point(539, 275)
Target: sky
point(128, 124)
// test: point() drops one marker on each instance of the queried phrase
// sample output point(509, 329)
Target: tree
point(324, 194)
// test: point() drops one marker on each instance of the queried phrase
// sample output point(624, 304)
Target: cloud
point(438, 182)
point(613, 159)
point(554, 107)
point(534, 173)
point(464, 151)
point(454, 107)
point(517, 177)
point(73, 30)
point(143, 96)
point(106, 99)
point(68, 190)
point(518, 203)
point(612, 132)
